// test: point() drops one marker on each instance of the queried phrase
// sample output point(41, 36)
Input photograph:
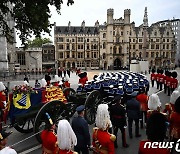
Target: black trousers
point(160, 84)
point(130, 121)
point(157, 82)
point(123, 132)
point(83, 150)
point(165, 88)
point(143, 118)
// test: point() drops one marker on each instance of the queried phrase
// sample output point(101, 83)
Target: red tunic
point(168, 81)
point(143, 99)
point(66, 152)
point(49, 142)
point(104, 139)
point(153, 76)
point(56, 84)
point(2, 99)
point(174, 83)
point(165, 79)
point(83, 81)
point(157, 77)
point(147, 150)
point(161, 78)
point(175, 125)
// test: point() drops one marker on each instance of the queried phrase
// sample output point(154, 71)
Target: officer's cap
point(134, 94)
point(80, 108)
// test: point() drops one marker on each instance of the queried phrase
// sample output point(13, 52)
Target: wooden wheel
point(57, 111)
point(91, 104)
point(68, 92)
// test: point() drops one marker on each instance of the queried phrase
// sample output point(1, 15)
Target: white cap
point(154, 102)
point(2, 87)
point(102, 117)
point(43, 82)
point(56, 78)
point(65, 136)
point(26, 83)
point(111, 86)
point(174, 96)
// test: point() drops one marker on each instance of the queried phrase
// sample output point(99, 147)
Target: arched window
point(134, 55)
point(104, 45)
point(114, 50)
point(140, 55)
point(104, 35)
point(157, 54)
point(104, 55)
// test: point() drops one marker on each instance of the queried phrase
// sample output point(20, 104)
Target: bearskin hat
point(153, 70)
point(177, 105)
point(166, 73)
point(156, 127)
point(174, 74)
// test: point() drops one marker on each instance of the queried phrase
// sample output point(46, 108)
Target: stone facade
point(175, 25)
point(114, 44)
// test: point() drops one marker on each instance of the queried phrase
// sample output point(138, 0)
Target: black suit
point(81, 129)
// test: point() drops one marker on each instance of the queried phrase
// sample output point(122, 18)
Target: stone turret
point(145, 19)
point(83, 24)
point(127, 14)
point(110, 13)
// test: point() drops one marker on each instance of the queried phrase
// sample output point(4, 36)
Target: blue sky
point(93, 10)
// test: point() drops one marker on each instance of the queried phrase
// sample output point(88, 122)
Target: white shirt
point(8, 150)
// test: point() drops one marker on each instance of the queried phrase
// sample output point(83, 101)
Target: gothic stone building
point(114, 44)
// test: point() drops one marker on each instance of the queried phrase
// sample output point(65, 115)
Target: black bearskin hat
point(82, 75)
point(158, 70)
point(153, 70)
point(156, 127)
point(161, 71)
point(166, 73)
point(177, 105)
point(174, 74)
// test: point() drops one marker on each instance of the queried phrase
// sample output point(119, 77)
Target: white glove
point(4, 102)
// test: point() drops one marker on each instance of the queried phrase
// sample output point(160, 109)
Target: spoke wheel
point(91, 104)
point(56, 110)
point(69, 92)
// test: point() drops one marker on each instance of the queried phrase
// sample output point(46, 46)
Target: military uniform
point(103, 141)
point(175, 125)
point(49, 142)
point(153, 77)
point(118, 118)
point(2, 107)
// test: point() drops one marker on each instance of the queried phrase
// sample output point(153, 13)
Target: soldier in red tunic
point(83, 78)
point(168, 84)
point(161, 78)
point(66, 138)
point(157, 78)
point(156, 132)
point(143, 99)
point(66, 83)
point(103, 141)
point(153, 77)
point(49, 138)
point(2, 102)
point(174, 81)
point(165, 80)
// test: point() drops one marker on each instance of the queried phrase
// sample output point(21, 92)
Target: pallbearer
point(161, 79)
point(168, 84)
point(158, 78)
point(165, 80)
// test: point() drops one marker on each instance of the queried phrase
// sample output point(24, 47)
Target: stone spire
point(145, 19)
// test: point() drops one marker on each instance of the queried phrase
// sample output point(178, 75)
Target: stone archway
point(117, 64)
point(105, 65)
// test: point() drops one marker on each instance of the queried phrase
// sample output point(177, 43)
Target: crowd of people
point(146, 111)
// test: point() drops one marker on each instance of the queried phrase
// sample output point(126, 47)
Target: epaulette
point(112, 137)
point(95, 128)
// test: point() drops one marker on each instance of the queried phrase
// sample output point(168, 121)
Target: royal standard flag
point(22, 101)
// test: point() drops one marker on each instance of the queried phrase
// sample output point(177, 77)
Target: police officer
point(118, 118)
point(133, 113)
point(81, 129)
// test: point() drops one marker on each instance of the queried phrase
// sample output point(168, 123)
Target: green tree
point(38, 42)
point(30, 16)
